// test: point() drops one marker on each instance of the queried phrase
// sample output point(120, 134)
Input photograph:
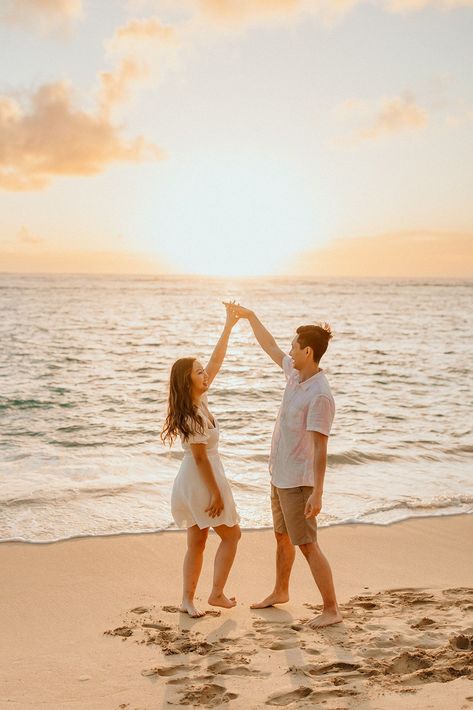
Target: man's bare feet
point(217, 599)
point(188, 608)
point(326, 618)
point(273, 598)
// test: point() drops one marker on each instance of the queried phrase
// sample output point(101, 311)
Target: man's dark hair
point(316, 337)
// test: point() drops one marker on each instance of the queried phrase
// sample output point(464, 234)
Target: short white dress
point(190, 496)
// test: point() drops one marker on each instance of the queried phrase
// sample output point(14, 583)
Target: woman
point(201, 495)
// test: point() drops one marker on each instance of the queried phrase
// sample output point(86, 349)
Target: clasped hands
point(235, 311)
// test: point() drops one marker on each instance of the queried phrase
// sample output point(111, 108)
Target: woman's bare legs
point(196, 539)
point(229, 537)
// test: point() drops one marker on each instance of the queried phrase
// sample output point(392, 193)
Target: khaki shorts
point(288, 505)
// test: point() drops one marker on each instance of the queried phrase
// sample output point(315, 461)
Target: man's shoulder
point(321, 387)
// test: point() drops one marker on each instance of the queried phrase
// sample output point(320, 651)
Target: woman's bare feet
point(219, 599)
point(188, 608)
point(274, 598)
point(326, 618)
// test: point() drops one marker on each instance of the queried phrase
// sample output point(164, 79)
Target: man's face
point(299, 356)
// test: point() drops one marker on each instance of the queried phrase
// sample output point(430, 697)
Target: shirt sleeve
point(320, 415)
point(287, 366)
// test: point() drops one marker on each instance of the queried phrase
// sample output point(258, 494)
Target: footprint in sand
point(123, 631)
point(156, 625)
point(464, 641)
point(207, 696)
point(292, 696)
point(205, 678)
point(168, 670)
point(170, 609)
point(225, 668)
point(280, 645)
point(338, 667)
point(283, 636)
point(424, 623)
point(139, 610)
point(408, 662)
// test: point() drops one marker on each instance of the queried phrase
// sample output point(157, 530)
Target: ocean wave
point(26, 404)
point(67, 494)
point(356, 457)
point(413, 504)
point(359, 457)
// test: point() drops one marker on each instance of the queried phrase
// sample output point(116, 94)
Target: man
point(298, 460)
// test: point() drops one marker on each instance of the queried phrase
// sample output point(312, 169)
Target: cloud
point(46, 13)
point(24, 236)
point(116, 86)
point(144, 29)
point(52, 136)
point(81, 262)
point(384, 117)
point(403, 254)
point(398, 114)
point(245, 12)
point(138, 49)
point(240, 9)
point(403, 6)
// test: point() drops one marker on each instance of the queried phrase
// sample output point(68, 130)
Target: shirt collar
point(309, 381)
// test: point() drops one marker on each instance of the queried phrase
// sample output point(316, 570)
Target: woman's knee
point(229, 534)
point(197, 539)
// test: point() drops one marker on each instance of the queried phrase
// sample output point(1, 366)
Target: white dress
point(190, 496)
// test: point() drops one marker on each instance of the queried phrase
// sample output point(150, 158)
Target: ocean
point(84, 367)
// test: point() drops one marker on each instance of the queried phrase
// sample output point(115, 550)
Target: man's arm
point(314, 502)
point(263, 336)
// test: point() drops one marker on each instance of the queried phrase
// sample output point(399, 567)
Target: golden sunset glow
point(236, 137)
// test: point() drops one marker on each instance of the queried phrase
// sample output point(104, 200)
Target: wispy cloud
point(401, 254)
point(401, 113)
point(138, 50)
point(24, 236)
point(402, 6)
point(150, 28)
point(41, 13)
point(26, 259)
point(244, 12)
point(52, 136)
point(371, 120)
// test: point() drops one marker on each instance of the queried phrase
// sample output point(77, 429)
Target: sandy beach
point(91, 623)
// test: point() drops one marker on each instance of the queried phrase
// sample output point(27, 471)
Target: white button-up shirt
point(306, 407)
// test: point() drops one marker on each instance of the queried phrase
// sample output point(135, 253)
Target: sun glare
point(234, 217)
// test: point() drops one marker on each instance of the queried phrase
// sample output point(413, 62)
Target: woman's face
point(199, 379)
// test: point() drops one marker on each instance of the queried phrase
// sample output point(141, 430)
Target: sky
point(237, 137)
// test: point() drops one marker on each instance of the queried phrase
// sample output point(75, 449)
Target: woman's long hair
point(182, 417)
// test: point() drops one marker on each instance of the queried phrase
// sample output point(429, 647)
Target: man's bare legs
point(229, 537)
point(196, 539)
point(322, 575)
point(285, 554)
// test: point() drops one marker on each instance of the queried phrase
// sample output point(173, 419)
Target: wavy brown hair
point(182, 417)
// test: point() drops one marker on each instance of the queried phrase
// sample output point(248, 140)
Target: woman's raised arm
point(218, 355)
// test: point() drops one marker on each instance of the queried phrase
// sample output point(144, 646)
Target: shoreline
point(406, 591)
point(162, 531)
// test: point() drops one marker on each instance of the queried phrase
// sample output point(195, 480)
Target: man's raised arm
point(263, 336)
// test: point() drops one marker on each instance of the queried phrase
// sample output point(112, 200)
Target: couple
point(201, 495)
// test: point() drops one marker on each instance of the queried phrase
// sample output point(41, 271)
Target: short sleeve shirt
point(306, 407)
